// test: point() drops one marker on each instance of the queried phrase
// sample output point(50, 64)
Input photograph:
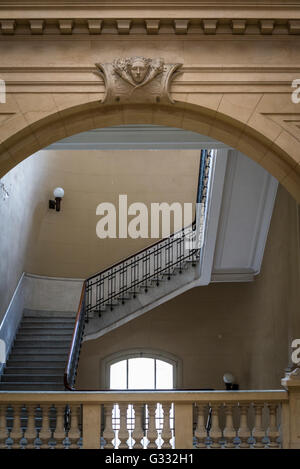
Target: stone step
point(125, 295)
point(135, 290)
point(31, 370)
point(47, 320)
point(36, 361)
point(169, 273)
point(7, 378)
point(40, 354)
point(147, 284)
point(46, 330)
point(39, 339)
point(156, 281)
point(113, 302)
point(23, 386)
point(49, 314)
point(181, 267)
point(41, 344)
point(112, 305)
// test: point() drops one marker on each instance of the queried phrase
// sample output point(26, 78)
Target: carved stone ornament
point(295, 373)
point(137, 80)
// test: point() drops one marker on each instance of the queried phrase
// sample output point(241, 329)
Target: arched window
point(141, 370)
point(141, 373)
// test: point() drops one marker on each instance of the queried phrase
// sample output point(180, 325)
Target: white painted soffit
point(247, 205)
point(137, 137)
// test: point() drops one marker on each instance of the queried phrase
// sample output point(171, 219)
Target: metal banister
point(73, 357)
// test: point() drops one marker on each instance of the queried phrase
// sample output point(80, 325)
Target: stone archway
point(245, 127)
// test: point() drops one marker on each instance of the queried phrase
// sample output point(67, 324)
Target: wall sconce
point(58, 194)
point(229, 379)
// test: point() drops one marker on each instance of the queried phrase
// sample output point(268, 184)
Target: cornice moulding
point(187, 24)
point(154, 10)
point(185, 68)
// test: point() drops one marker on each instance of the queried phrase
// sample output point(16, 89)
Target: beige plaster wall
point(241, 328)
point(17, 215)
point(43, 242)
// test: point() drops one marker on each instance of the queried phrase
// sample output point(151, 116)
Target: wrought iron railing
point(148, 267)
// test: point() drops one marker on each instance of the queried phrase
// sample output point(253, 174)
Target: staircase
point(150, 277)
point(47, 345)
point(40, 352)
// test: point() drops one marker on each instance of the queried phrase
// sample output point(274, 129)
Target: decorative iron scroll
point(137, 80)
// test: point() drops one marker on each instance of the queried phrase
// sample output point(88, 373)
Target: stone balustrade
point(138, 419)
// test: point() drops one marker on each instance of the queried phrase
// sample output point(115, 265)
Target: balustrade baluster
point(121, 284)
point(74, 431)
point(273, 430)
point(138, 272)
point(110, 289)
point(200, 432)
point(60, 433)
point(244, 431)
point(123, 432)
point(144, 273)
point(16, 432)
point(152, 432)
point(229, 432)
point(102, 293)
point(258, 432)
point(108, 433)
point(45, 432)
point(31, 431)
point(166, 430)
point(97, 294)
point(3, 429)
point(138, 432)
point(215, 430)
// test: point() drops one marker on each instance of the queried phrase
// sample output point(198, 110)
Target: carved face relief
point(137, 80)
point(138, 70)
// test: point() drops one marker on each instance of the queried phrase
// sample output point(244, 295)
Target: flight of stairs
point(136, 301)
point(39, 355)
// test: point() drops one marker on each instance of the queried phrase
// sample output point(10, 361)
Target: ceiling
point(137, 137)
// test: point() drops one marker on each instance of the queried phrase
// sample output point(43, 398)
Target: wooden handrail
point(67, 384)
